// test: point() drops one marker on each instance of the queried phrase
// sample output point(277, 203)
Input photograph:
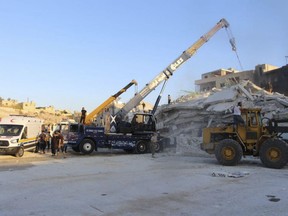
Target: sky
point(76, 53)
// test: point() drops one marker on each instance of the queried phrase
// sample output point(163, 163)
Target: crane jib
point(168, 72)
point(179, 61)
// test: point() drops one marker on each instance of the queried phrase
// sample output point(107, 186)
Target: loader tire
point(87, 146)
point(228, 152)
point(274, 153)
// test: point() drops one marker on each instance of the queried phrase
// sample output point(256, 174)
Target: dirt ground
point(116, 183)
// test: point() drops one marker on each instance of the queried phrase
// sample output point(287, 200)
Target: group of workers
point(56, 142)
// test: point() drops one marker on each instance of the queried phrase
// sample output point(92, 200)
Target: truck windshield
point(10, 130)
point(63, 128)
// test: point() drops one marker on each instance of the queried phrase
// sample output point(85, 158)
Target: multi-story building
point(266, 76)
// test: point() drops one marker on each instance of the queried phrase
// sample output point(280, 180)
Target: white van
point(19, 133)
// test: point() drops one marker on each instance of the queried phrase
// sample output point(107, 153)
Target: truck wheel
point(274, 153)
point(20, 152)
point(228, 152)
point(141, 147)
point(87, 146)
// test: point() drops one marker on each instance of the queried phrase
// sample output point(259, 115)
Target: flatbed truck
point(86, 139)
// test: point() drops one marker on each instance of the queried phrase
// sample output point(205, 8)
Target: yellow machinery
point(135, 135)
point(92, 115)
point(258, 137)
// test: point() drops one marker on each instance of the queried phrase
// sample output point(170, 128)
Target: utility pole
point(286, 57)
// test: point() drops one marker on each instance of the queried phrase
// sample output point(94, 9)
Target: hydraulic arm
point(168, 72)
point(90, 117)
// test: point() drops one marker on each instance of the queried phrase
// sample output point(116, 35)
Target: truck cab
point(140, 123)
point(63, 126)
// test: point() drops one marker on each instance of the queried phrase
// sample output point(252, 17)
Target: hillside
point(49, 118)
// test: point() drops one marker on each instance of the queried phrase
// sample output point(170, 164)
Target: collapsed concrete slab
point(228, 94)
point(184, 119)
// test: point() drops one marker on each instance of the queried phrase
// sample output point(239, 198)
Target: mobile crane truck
point(133, 136)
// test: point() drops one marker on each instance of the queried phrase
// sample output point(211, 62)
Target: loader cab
point(253, 129)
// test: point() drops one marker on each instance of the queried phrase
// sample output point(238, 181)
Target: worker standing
point(237, 115)
point(48, 138)
point(61, 148)
point(169, 99)
point(83, 115)
point(153, 143)
point(42, 142)
point(57, 143)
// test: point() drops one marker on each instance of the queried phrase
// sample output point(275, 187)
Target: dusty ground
point(115, 183)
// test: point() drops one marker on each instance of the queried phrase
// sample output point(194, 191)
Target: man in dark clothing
point(169, 99)
point(42, 142)
point(83, 115)
point(56, 142)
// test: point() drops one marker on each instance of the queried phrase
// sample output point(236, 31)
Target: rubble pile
point(184, 119)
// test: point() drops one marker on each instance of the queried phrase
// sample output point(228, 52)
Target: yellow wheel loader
point(259, 137)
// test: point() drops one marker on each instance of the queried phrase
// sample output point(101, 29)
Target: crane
point(132, 136)
point(92, 115)
point(168, 72)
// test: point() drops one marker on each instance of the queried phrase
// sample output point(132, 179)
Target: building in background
point(268, 77)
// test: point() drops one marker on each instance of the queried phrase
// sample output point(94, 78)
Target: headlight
point(14, 141)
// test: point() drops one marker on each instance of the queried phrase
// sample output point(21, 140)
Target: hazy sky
point(74, 53)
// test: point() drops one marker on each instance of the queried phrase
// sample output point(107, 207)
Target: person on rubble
point(83, 115)
point(237, 118)
point(169, 99)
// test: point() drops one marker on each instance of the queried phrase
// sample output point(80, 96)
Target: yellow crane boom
point(92, 115)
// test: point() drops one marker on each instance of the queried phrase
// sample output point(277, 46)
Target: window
point(24, 135)
point(252, 119)
point(74, 128)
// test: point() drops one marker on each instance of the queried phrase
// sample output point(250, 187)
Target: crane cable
point(233, 44)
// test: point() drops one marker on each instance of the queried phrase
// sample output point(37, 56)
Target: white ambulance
point(19, 133)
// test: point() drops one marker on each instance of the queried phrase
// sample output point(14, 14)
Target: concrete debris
point(228, 174)
point(184, 119)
